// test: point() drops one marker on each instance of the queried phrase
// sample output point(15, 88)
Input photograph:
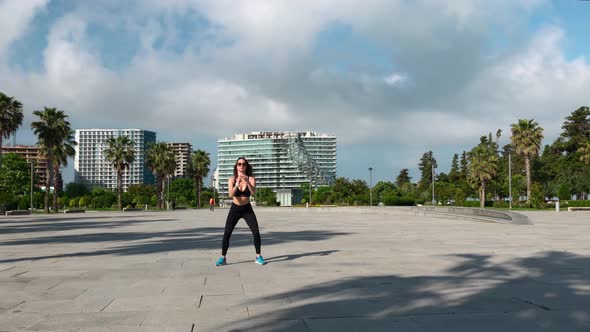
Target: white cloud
point(15, 17)
point(255, 69)
point(395, 79)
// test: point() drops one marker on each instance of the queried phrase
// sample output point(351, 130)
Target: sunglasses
point(241, 164)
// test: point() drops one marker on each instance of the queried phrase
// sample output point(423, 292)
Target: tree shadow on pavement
point(546, 292)
point(73, 224)
point(139, 243)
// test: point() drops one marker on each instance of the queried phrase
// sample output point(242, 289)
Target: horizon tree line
point(558, 168)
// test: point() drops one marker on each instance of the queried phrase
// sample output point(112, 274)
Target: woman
point(241, 186)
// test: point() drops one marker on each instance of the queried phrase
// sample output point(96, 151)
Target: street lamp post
point(370, 186)
point(510, 181)
point(433, 200)
point(32, 172)
point(309, 191)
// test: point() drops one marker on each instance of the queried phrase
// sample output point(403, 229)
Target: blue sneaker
point(259, 260)
point(221, 261)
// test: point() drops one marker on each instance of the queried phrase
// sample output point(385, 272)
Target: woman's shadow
point(296, 256)
point(293, 256)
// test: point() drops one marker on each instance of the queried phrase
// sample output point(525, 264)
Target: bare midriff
point(241, 200)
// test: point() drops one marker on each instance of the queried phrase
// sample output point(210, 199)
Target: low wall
point(18, 212)
point(446, 211)
point(578, 208)
point(74, 211)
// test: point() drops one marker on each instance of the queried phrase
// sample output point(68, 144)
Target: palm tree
point(120, 153)
point(198, 169)
point(482, 166)
point(160, 158)
point(52, 131)
point(11, 117)
point(585, 151)
point(61, 153)
point(526, 140)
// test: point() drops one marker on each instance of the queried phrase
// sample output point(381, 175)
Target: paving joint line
point(533, 303)
point(10, 268)
point(14, 306)
point(113, 300)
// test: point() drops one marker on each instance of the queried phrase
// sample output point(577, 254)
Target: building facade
point(31, 154)
point(182, 151)
point(280, 160)
point(92, 168)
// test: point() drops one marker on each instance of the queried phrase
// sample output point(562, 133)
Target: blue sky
point(391, 79)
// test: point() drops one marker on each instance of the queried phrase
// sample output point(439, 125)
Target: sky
point(391, 79)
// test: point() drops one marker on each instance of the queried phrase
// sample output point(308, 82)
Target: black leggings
point(235, 213)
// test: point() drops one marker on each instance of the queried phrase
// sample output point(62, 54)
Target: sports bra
point(244, 193)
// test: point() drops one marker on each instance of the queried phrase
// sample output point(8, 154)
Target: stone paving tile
point(526, 320)
point(61, 306)
point(67, 321)
point(354, 324)
point(16, 321)
point(326, 271)
point(153, 303)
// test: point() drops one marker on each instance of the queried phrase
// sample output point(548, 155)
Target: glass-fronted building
point(92, 168)
point(280, 160)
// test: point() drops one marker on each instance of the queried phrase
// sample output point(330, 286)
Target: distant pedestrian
point(212, 204)
point(241, 186)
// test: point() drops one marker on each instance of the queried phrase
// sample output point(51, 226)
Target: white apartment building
point(182, 151)
point(280, 160)
point(92, 168)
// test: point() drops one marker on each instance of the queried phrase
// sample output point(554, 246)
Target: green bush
point(74, 202)
point(24, 202)
point(537, 199)
point(392, 200)
point(83, 201)
point(475, 204)
point(501, 204)
point(578, 203)
point(564, 192)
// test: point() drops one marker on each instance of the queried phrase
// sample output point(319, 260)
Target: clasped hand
point(242, 178)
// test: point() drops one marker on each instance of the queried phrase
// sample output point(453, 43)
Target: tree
point(427, 162)
point(11, 117)
point(52, 130)
point(182, 189)
point(265, 196)
point(15, 175)
point(120, 152)
point(576, 129)
point(160, 158)
point(74, 189)
point(584, 150)
point(403, 178)
point(464, 165)
point(483, 165)
point(61, 153)
point(455, 173)
point(198, 169)
point(526, 140)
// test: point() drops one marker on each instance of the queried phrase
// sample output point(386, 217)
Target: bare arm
point(252, 185)
point(232, 184)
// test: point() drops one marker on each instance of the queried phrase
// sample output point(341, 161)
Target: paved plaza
point(339, 269)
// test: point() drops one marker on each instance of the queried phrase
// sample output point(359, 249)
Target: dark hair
point(248, 167)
